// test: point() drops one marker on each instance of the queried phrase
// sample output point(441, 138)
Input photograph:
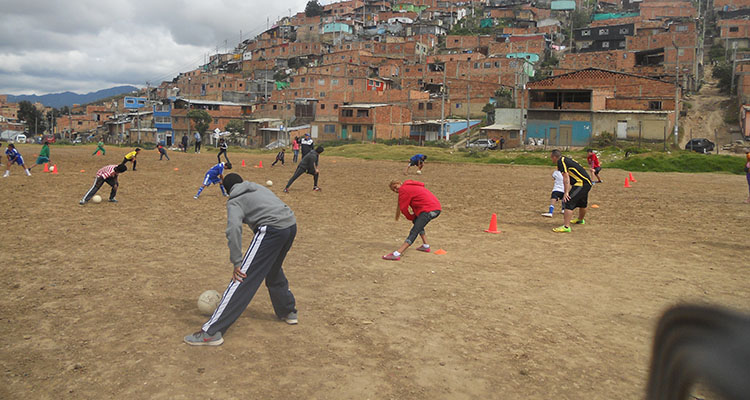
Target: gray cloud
point(87, 45)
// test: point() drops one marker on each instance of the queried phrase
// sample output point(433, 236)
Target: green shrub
point(683, 162)
point(605, 139)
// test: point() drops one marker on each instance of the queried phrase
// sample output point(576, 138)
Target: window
point(363, 113)
point(288, 107)
point(334, 81)
point(497, 64)
point(302, 79)
point(291, 79)
point(419, 69)
point(458, 105)
point(681, 52)
point(429, 106)
point(329, 128)
point(335, 106)
point(603, 31)
point(734, 29)
point(624, 31)
point(421, 106)
point(586, 32)
point(682, 28)
point(321, 82)
point(161, 120)
point(347, 113)
point(488, 65)
point(274, 106)
point(605, 45)
point(476, 65)
point(654, 105)
point(351, 82)
point(408, 70)
point(322, 94)
point(356, 128)
point(322, 106)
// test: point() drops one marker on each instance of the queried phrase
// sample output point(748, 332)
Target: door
point(553, 139)
point(622, 129)
point(370, 134)
point(314, 131)
point(344, 131)
point(566, 135)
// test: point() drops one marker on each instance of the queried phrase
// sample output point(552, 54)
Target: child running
point(558, 191)
point(309, 164)
point(109, 175)
point(279, 157)
point(424, 206)
point(14, 157)
point(275, 227)
point(222, 150)
point(43, 155)
point(416, 161)
point(594, 165)
point(131, 157)
point(162, 153)
point(214, 175)
point(747, 173)
point(99, 147)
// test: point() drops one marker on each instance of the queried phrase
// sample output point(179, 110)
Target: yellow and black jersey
point(578, 175)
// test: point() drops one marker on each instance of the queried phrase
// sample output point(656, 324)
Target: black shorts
point(557, 195)
point(579, 197)
point(597, 169)
point(413, 163)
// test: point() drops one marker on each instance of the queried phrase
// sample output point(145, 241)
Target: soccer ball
point(96, 199)
point(269, 183)
point(419, 172)
point(208, 301)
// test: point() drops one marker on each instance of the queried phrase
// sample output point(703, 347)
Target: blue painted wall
point(581, 131)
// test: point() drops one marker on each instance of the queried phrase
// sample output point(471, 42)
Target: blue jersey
point(216, 170)
point(13, 154)
point(416, 158)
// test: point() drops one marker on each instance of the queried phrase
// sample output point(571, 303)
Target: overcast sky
point(49, 46)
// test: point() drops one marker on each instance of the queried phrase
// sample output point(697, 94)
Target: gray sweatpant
point(262, 260)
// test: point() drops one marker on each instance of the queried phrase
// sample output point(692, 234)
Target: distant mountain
point(58, 100)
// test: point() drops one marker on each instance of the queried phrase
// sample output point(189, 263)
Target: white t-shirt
point(559, 185)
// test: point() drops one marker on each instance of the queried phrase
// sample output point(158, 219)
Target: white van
point(20, 138)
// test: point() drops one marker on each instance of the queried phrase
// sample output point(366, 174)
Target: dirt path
point(707, 113)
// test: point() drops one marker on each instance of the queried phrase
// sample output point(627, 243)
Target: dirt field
point(95, 299)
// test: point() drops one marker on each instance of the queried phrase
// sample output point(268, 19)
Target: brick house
point(221, 111)
point(568, 109)
point(365, 122)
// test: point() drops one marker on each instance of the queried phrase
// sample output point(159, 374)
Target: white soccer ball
point(208, 301)
point(269, 183)
point(419, 172)
point(96, 199)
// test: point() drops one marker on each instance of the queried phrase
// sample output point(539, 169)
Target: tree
point(35, 121)
point(201, 119)
point(235, 126)
point(313, 9)
point(723, 72)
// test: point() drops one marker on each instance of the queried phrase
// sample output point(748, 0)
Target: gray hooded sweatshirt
point(256, 206)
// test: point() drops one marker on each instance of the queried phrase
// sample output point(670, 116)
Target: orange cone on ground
point(83, 170)
point(54, 169)
point(627, 183)
point(243, 163)
point(260, 164)
point(46, 167)
point(493, 225)
point(440, 252)
point(630, 176)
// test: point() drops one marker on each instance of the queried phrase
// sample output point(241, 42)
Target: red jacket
point(593, 161)
point(414, 194)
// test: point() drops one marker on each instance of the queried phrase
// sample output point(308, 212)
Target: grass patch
point(681, 162)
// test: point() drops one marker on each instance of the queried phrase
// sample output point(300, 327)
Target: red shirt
point(107, 172)
point(593, 160)
point(414, 194)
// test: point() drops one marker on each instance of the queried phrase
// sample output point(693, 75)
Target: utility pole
point(443, 133)
point(676, 97)
point(468, 110)
point(734, 67)
point(571, 31)
point(697, 44)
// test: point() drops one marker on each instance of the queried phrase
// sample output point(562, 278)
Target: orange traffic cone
point(630, 176)
point(46, 167)
point(260, 164)
point(243, 163)
point(54, 169)
point(627, 183)
point(493, 225)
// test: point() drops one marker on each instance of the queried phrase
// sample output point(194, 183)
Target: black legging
point(98, 182)
point(124, 160)
point(298, 173)
point(197, 146)
point(222, 151)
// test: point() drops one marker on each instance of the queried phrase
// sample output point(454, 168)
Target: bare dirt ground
point(706, 117)
point(95, 299)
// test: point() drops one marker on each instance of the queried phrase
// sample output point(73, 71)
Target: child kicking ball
point(424, 208)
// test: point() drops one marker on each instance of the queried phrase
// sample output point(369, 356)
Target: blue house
point(163, 123)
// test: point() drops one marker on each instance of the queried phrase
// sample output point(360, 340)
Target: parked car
point(77, 140)
point(484, 144)
point(700, 145)
point(20, 138)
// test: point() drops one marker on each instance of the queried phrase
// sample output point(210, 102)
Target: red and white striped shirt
point(106, 172)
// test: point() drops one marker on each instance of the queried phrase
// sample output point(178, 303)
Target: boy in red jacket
point(594, 164)
point(424, 208)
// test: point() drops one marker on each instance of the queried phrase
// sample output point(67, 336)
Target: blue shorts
point(209, 179)
point(18, 160)
point(41, 160)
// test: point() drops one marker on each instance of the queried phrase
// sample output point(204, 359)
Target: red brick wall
point(467, 42)
point(656, 10)
point(743, 30)
point(732, 4)
point(536, 46)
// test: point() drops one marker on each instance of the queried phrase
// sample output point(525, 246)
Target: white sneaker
point(548, 215)
point(7, 174)
point(28, 173)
